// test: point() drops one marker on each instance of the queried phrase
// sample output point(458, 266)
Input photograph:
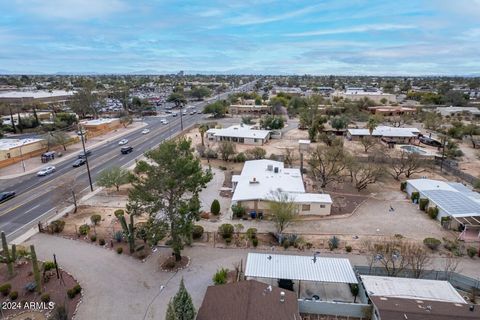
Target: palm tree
point(202, 129)
point(372, 124)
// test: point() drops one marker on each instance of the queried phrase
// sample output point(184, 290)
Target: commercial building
point(259, 180)
point(393, 134)
point(100, 126)
point(249, 109)
point(239, 133)
point(14, 150)
point(355, 94)
point(58, 97)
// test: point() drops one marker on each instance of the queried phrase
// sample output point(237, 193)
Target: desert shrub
point(101, 242)
point(240, 157)
point(398, 236)
point(71, 293)
point(252, 233)
point(432, 243)
point(118, 213)
point(423, 203)
point(333, 243)
point(77, 289)
point(450, 245)
point(220, 277)
point(93, 238)
point(95, 218)
point(197, 232)
point(415, 196)
point(403, 186)
point(119, 250)
point(228, 240)
point(286, 243)
point(57, 226)
point(211, 154)
point(348, 248)
point(84, 229)
point(309, 245)
point(238, 210)
point(31, 286)
point(472, 251)
point(13, 295)
point(170, 264)
point(354, 289)
point(118, 236)
point(433, 212)
point(226, 230)
point(45, 297)
point(48, 265)
point(5, 289)
point(215, 207)
point(222, 168)
point(205, 215)
point(255, 242)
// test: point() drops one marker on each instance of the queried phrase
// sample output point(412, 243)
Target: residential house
point(389, 134)
point(240, 134)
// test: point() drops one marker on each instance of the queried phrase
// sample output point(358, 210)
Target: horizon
point(285, 38)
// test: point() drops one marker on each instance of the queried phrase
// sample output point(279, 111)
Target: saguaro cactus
point(6, 254)
point(129, 232)
point(36, 270)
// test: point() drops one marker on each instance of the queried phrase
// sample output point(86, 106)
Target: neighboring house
point(100, 126)
point(254, 188)
point(241, 134)
point(248, 109)
point(389, 111)
point(454, 201)
point(14, 150)
point(388, 308)
point(248, 300)
point(452, 111)
point(392, 134)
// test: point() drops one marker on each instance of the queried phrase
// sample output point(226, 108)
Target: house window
point(255, 140)
point(305, 207)
point(8, 155)
point(322, 206)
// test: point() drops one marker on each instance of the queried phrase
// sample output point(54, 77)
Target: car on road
point(83, 155)
point(174, 114)
point(126, 150)
point(7, 195)
point(123, 141)
point(184, 113)
point(164, 121)
point(46, 171)
point(193, 111)
point(79, 162)
point(145, 131)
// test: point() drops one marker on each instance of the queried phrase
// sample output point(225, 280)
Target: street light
point(81, 134)
point(21, 155)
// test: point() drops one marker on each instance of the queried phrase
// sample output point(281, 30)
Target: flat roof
point(385, 131)
point(35, 94)
point(7, 144)
point(96, 122)
point(240, 131)
point(279, 266)
point(410, 288)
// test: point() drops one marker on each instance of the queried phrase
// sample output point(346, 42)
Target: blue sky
point(248, 36)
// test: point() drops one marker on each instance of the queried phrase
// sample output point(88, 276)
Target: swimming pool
point(413, 149)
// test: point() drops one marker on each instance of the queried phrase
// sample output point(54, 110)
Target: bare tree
point(450, 265)
point(289, 157)
point(389, 253)
point(368, 142)
point(418, 259)
point(68, 190)
point(407, 164)
point(282, 208)
point(327, 164)
point(364, 174)
point(226, 149)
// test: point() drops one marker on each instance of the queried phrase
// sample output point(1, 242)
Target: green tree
point(172, 181)
point(215, 207)
point(339, 122)
point(126, 121)
point(181, 306)
point(200, 93)
point(256, 153)
point(272, 122)
point(177, 98)
point(218, 108)
point(203, 128)
point(282, 209)
point(113, 177)
point(372, 124)
point(85, 101)
point(226, 149)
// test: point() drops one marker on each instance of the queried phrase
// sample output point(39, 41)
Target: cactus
point(6, 255)
point(14, 252)
point(36, 270)
point(129, 231)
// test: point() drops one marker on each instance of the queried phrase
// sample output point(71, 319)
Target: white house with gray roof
point(239, 133)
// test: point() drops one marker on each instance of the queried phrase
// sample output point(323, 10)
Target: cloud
point(71, 9)
point(354, 29)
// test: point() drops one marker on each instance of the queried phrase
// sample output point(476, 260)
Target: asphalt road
point(38, 196)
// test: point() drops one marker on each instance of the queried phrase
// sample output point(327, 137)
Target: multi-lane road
point(39, 197)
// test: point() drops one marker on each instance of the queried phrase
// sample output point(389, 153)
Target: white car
point(145, 131)
point(46, 171)
point(123, 141)
point(164, 121)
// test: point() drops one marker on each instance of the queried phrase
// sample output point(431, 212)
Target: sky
point(430, 37)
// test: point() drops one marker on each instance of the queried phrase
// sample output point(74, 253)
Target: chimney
point(282, 296)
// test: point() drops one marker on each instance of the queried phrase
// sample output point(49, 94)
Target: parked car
point(430, 142)
point(84, 154)
point(125, 150)
point(46, 171)
point(79, 162)
point(145, 131)
point(123, 141)
point(7, 195)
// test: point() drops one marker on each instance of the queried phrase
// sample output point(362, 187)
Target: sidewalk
point(34, 164)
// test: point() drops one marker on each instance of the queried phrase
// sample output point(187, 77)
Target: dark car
point(126, 149)
point(4, 196)
point(430, 142)
point(84, 154)
point(79, 162)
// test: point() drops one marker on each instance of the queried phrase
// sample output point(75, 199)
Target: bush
point(240, 157)
point(13, 295)
point(432, 243)
point(57, 226)
point(222, 168)
point(45, 297)
point(95, 218)
point(354, 289)
point(433, 212)
point(348, 248)
point(119, 250)
point(93, 238)
point(220, 277)
point(472, 251)
point(71, 293)
point(215, 207)
point(252, 233)
point(228, 240)
point(333, 243)
point(5, 289)
point(101, 242)
point(197, 232)
point(48, 265)
point(415, 196)
point(84, 229)
point(77, 288)
point(403, 186)
point(286, 244)
point(423, 203)
point(226, 230)
point(119, 213)
point(238, 210)
point(118, 236)
point(255, 242)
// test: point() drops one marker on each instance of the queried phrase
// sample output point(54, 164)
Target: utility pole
point(181, 118)
point(86, 158)
point(443, 153)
